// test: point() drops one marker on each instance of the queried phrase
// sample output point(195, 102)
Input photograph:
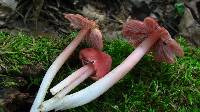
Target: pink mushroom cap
point(165, 49)
point(94, 37)
point(101, 61)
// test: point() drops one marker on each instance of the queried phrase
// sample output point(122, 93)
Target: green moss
point(118, 49)
point(21, 50)
point(149, 86)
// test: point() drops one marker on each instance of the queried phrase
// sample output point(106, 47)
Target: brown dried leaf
point(190, 28)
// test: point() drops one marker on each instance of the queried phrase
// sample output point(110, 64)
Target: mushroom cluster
point(145, 35)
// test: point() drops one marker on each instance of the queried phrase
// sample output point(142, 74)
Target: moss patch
point(150, 86)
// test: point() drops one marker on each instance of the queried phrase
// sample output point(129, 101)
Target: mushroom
point(164, 48)
point(89, 29)
point(96, 64)
point(152, 36)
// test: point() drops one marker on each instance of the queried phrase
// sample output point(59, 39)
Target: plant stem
point(53, 69)
point(99, 87)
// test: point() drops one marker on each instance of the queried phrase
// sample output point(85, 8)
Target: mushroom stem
point(99, 87)
point(89, 70)
point(53, 69)
point(72, 80)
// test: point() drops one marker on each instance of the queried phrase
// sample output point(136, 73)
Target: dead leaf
point(190, 28)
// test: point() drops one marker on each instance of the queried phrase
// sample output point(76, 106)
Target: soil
point(109, 14)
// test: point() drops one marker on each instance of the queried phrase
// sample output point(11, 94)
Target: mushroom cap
point(134, 29)
point(100, 61)
point(79, 22)
point(164, 49)
point(151, 24)
point(94, 37)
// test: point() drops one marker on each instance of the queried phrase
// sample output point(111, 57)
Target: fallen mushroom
point(90, 30)
point(96, 64)
point(94, 61)
point(153, 36)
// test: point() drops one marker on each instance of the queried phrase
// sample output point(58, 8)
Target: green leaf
point(180, 8)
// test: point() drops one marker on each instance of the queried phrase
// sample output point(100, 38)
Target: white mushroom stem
point(53, 69)
point(69, 81)
point(89, 70)
point(83, 76)
point(99, 87)
point(72, 80)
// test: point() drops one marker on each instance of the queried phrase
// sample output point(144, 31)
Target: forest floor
point(27, 50)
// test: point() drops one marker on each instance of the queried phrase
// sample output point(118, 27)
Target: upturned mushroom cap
point(100, 61)
point(79, 22)
point(164, 49)
point(94, 37)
